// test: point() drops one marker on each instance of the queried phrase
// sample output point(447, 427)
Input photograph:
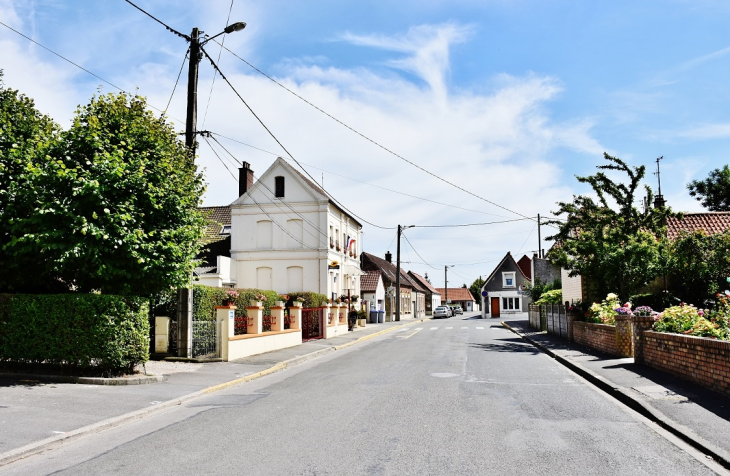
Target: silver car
point(441, 311)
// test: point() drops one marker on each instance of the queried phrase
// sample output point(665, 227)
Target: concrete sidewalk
point(695, 414)
point(36, 415)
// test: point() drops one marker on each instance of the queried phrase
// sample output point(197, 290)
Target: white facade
point(295, 241)
point(375, 301)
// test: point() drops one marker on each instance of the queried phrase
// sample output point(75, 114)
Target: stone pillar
point(162, 334)
point(329, 314)
point(623, 335)
point(277, 318)
point(572, 317)
point(255, 322)
point(639, 324)
point(295, 315)
point(225, 317)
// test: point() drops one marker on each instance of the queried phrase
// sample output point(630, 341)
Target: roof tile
point(710, 222)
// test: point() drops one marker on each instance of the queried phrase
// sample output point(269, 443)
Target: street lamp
point(238, 26)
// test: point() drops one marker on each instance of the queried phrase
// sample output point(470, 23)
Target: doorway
point(495, 307)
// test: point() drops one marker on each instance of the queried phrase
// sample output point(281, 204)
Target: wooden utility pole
point(539, 238)
point(397, 278)
point(191, 122)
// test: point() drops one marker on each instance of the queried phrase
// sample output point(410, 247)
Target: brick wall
point(596, 336)
point(697, 359)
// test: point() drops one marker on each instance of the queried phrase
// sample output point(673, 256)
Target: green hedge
point(310, 299)
point(103, 332)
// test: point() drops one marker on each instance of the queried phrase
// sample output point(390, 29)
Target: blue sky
point(508, 99)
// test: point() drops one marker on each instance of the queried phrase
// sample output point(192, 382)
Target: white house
point(502, 292)
point(373, 291)
point(288, 235)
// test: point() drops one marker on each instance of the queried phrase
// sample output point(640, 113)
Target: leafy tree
point(535, 290)
point(714, 191)
point(116, 207)
point(26, 138)
point(476, 289)
point(616, 250)
point(699, 265)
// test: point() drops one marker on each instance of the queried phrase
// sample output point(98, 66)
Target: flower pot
point(279, 303)
point(255, 303)
point(297, 304)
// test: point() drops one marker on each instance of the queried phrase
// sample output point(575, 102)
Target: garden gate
point(312, 323)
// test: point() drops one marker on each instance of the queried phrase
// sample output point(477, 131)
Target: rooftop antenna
point(659, 199)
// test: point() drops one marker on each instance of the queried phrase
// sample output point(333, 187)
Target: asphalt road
point(453, 396)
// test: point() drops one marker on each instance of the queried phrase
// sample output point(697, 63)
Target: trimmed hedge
point(77, 332)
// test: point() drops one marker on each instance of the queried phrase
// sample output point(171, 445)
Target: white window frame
point(512, 304)
point(506, 275)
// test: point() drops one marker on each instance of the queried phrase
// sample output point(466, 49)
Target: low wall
point(596, 336)
point(697, 359)
point(252, 344)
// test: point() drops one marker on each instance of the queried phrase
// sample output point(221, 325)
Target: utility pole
point(446, 283)
point(539, 238)
point(191, 122)
point(659, 199)
point(397, 278)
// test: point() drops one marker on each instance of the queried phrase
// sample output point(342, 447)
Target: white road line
point(464, 327)
point(419, 328)
point(480, 328)
point(449, 327)
point(433, 328)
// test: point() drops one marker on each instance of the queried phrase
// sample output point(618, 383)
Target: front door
point(495, 307)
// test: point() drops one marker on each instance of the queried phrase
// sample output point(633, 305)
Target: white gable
point(295, 188)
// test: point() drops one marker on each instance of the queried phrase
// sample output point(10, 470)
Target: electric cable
point(282, 145)
point(471, 224)
point(223, 40)
point(528, 237)
point(179, 73)
point(417, 253)
point(372, 140)
point(169, 28)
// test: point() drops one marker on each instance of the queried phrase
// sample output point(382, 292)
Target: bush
point(554, 296)
point(658, 302)
point(687, 319)
point(604, 312)
point(77, 332)
point(310, 299)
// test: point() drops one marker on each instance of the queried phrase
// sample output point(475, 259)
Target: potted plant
point(298, 301)
point(258, 301)
point(230, 297)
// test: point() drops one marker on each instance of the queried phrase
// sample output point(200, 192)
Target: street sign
point(484, 293)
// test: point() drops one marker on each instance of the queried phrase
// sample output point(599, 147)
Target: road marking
point(433, 328)
point(480, 328)
point(449, 327)
point(464, 327)
point(419, 328)
point(409, 335)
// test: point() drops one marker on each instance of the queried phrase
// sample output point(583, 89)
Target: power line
point(366, 183)
point(169, 28)
point(372, 140)
point(279, 142)
point(223, 40)
point(82, 68)
point(528, 237)
point(179, 73)
point(472, 224)
point(417, 253)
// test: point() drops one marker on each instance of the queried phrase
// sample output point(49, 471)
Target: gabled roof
point(496, 268)
point(369, 281)
point(417, 278)
point(416, 285)
point(525, 266)
point(215, 218)
point(457, 294)
point(710, 222)
point(388, 269)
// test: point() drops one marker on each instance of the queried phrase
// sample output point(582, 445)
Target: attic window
point(226, 230)
point(508, 280)
point(279, 182)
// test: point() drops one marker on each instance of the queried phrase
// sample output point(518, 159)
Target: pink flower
point(628, 304)
point(701, 312)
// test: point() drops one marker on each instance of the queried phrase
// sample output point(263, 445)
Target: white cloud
point(708, 131)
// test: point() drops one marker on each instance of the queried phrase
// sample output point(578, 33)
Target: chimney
point(245, 178)
point(388, 257)
point(659, 201)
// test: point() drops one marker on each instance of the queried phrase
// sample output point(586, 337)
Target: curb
point(57, 441)
point(85, 380)
point(623, 395)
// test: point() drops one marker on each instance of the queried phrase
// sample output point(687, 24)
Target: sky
point(508, 100)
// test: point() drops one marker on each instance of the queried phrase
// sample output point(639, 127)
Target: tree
point(699, 266)
point(476, 289)
point(116, 207)
point(26, 138)
point(714, 191)
point(617, 250)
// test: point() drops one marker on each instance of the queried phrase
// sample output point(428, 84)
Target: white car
point(441, 311)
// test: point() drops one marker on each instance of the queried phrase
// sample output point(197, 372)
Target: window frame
point(279, 186)
point(507, 275)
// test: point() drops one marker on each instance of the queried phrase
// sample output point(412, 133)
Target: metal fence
point(205, 339)
point(312, 320)
point(172, 339)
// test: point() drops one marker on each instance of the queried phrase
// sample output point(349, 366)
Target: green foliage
point(605, 311)
point(75, 331)
point(554, 296)
point(311, 299)
point(699, 265)
point(111, 207)
point(26, 138)
point(687, 319)
point(476, 289)
point(714, 191)
point(658, 302)
point(536, 290)
point(621, 249)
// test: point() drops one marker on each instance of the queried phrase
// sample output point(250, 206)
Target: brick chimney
point(245, 178)
point(388, 257)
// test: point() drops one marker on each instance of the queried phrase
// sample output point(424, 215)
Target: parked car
point(457, 310)
point(441, 311)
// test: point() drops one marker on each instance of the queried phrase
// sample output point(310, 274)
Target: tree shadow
point(510, 345)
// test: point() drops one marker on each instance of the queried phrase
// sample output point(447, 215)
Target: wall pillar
point(623, 335)
point(225, 317)
point(277, 318)
point(255, 321)
point(639, 324)
point(295, 315)
point(572, 317)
